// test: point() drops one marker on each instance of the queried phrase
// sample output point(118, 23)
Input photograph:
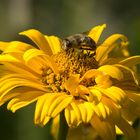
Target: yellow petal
point(116, 94)
point(35, 65)
point(112, 71)
point(46, 120)
point(96, 32)
point(104, 128)
point(108, 45)
point(4, 45)
point(17, 47)
point(103, 81)
point(15, 67)
point(113, 38)
point(59, 107)
point(54, 103)
point(38, 39)
point(131, 61)
point(32, 56)
point(7, 58)
point(114, 108)
point(8, 97)
point(83, 113)
point(38, 109)
point(42, 107)
point(102, 110)
point(33, 60)
point(135, 77)
point(76, 109)
point(20, 69)
point(31, 53)
point(90, 74)
point(4, 71)
point(71, 117)
point(72, 83)
point(16, 92)
point(95, 96)
point(90, 111)
point(54, 43)
point(83, 110)
point(78, 112)
point(68, 115)
point(51, 104)
point(9, 82)
point(118, 131)
point(23, 100)
point(82, 90)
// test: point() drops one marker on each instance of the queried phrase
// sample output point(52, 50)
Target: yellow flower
point(102, 90)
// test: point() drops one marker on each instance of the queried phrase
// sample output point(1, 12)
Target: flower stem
point(63, 128)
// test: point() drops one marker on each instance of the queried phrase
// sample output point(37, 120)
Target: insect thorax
point(79, 41)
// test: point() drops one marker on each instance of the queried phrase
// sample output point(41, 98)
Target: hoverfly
point(79, 41)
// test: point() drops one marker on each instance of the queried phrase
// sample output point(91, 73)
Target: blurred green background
point(61, 18)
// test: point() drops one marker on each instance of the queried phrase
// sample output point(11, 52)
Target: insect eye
point(82, 39)
point(68, 43)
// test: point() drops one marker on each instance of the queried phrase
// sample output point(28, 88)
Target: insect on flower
point(79, 41)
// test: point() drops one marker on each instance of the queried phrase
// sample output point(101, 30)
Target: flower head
point(99, 89)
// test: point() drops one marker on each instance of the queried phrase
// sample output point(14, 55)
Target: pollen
point(68, 62)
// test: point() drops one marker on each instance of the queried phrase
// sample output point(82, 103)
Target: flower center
point(68, 62)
